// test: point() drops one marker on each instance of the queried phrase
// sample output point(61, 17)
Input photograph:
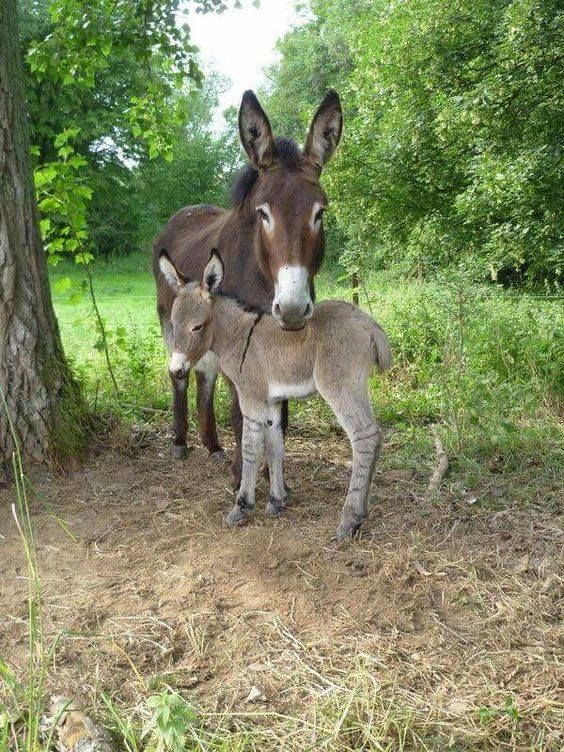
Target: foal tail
point(382, 349)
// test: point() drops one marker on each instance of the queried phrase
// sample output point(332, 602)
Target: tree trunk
point(44, 406)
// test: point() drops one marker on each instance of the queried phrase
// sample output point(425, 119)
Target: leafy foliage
point(452, 151)
point(169, 723)
point(111, 69)
point(111, 89)
point(63, 200)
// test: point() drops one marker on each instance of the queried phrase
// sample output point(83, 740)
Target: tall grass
point(485, 364)
point(21, 716)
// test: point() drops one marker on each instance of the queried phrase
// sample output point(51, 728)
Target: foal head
point(191, 314)
point(280, 195)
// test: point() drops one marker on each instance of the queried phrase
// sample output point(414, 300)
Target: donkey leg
point(180, 414)
point(284, 416)
point(205, 383)
point(252, 446)
point(284, 421)
point(274, 441)
point(236, 418)
point(352, 409)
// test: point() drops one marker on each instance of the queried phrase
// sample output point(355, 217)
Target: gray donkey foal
point(333, 354)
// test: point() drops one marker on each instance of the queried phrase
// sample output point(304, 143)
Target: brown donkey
point(272, 240)
point(333, 355)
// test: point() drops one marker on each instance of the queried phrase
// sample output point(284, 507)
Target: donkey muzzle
point(292, 305)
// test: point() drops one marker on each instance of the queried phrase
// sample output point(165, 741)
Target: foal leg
point(352, 408)
point(180, 414)
point(179, 396)
point(274, 441)
point(236, 418)
point(206, 376)
point(252, 447)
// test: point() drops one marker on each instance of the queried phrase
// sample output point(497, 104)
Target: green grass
point(126, 296)
point(484, 364)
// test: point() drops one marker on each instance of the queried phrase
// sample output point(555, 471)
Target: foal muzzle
point(178, 365)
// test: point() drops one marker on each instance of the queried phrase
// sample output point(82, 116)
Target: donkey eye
point(263, 214)
point(197, 328)
point(318, 215)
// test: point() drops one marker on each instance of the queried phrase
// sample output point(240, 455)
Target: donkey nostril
point(308, 310)
point(277, 309)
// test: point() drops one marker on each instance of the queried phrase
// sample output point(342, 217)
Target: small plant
point(487, 713)
point(169, 724)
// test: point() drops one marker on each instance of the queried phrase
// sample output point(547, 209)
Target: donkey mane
point(288, 154)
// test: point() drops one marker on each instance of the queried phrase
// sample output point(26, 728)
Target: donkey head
point(191, 315)
point(281, 194)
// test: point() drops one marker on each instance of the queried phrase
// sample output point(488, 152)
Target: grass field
point(486, 365)
point(439, 629)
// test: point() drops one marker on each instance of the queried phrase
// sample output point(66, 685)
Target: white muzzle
point(292, 305)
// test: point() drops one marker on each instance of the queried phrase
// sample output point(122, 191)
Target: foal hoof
point(219, 457)
point(179, 451)
point(236, 517)
point(275, 506)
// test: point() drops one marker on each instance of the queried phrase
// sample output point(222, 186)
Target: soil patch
point(449, 611)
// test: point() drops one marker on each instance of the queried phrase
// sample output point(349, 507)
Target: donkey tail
point(381, 348)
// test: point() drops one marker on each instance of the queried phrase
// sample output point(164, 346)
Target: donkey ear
point(255, 132)
point(213, 273)
point(325, 130)
point(174, 278)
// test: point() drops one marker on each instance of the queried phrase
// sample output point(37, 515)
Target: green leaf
point(62, 285)
point(44, 227)
point(76, 297)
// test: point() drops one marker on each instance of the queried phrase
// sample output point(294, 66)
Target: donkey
point(272, 240)
point(333, 355)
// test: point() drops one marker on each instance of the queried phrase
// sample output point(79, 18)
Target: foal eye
point(197, 328)
point(263, 215)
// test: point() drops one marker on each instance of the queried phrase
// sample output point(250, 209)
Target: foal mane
point(288, 154)
point(244, 306)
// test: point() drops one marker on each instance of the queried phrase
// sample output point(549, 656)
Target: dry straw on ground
point(440, 628)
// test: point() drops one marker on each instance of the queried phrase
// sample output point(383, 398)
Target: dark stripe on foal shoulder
point(248, 342)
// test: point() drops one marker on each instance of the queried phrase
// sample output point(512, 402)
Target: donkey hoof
point(236, 517)
point(179, 451)
point(218, 457)
point(274, 507)
point(344, 531)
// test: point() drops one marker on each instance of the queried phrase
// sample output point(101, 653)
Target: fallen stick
point(442, 465)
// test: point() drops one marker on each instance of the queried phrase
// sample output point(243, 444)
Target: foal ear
point(325, 130)
point(213, 273)
point(255, 132)
point(174, 278)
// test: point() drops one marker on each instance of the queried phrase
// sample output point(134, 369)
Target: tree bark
point(40, 403)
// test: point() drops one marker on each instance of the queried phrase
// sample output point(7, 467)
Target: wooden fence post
point(354, 285)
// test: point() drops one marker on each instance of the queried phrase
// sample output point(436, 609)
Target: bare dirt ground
point(441, 627)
